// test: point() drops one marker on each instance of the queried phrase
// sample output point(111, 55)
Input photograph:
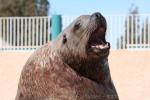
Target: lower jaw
point(98, 55)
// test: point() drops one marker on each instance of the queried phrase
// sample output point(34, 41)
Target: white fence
point(123, 31)
point(129, 31)
point(23, 32)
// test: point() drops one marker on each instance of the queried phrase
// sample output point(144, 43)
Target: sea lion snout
point(101, 24)
point(96, 16)
point(97, 44)
point(99, 18)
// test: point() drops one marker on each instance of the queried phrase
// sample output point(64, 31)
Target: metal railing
point(123, 31)
point(23, 32)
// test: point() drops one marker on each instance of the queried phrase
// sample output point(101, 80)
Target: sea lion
point(74, 66)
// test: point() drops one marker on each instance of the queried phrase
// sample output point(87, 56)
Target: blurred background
point(27, 24)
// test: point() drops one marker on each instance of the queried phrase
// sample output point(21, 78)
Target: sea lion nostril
point(96, 15)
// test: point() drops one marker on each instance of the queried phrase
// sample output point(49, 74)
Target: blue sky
point(79, 7)
point(106, 7)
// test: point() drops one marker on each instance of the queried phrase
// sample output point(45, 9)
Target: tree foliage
point(23, 8)
point(13, 8)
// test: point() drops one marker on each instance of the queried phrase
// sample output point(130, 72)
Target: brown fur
point(59, 70)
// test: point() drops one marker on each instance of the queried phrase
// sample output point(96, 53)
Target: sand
point(130, 72)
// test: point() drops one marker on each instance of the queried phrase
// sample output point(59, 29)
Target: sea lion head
point(84, 38)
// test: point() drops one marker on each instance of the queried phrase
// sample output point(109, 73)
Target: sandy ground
point(130, 72)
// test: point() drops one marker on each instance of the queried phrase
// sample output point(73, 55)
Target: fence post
point(56, 25)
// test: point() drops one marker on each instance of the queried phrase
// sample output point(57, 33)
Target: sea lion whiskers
point(86, 33)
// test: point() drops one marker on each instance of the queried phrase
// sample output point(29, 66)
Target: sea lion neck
point(92, 69)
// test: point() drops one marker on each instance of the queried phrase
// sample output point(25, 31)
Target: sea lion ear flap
point(64, 39)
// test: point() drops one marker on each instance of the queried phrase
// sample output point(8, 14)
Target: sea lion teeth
point(106, 46)
point(93, 46)
point(101, 46)
point(97, 46)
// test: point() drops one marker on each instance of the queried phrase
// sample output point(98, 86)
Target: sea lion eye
point(64, 39)
point(77, 25)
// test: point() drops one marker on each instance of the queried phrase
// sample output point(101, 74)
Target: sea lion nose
point(99, 18)
point(96, 15)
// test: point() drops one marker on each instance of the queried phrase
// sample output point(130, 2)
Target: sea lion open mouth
point(97, 43)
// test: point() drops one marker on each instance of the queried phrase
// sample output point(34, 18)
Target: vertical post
point(56, 25)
